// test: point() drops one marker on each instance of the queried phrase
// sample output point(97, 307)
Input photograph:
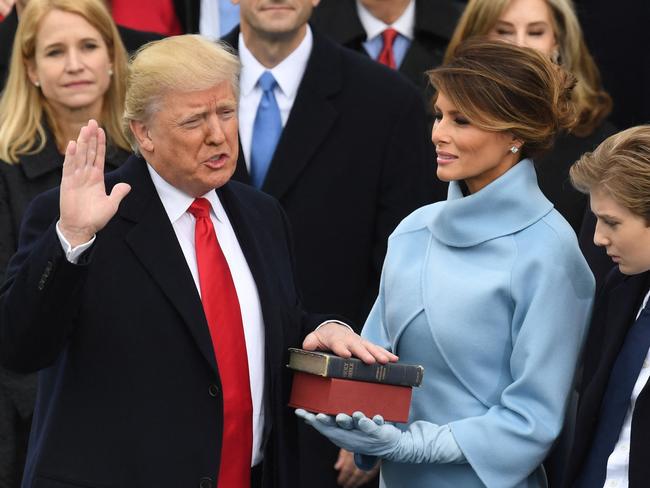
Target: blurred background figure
point(612, 434)
point(131, 38)
point(342, 143)
point(68, 65)
point(210, 18)
point(624, 62)
point(550, 26)
point(408, 35)
point(148, 15)
point(623, 58)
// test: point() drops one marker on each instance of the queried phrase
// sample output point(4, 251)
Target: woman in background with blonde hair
point(551, 27)
point(68, 65)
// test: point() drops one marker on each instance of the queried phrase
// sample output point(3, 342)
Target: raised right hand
point(85, 207)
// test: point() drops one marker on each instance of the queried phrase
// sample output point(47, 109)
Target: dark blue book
point(329, 365)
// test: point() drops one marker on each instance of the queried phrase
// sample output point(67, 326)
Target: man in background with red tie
point(157, 310)
point(407, 35)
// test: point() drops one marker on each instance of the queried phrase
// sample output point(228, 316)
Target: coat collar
point(152, 240)
point(46, 160)
point(497, 210)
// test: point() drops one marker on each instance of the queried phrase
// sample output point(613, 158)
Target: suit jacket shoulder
point(134, 39)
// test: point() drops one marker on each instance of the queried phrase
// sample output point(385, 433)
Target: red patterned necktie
point(222, 312)
point(387, 56)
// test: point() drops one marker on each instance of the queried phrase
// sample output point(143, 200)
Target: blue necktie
point(616, 401)
point(266, 130)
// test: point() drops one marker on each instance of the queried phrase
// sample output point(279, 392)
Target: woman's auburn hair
point(593, 103)
point(501, 87)
point(25, 112)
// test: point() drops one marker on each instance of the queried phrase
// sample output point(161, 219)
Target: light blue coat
point(491, 294)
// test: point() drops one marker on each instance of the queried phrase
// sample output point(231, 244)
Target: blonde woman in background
point(68, 65)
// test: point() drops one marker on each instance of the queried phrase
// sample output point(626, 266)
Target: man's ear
point(142, 135)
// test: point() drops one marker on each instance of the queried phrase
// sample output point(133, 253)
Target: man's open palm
point(85, 206)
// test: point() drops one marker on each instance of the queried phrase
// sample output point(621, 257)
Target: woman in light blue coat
point(488, 290)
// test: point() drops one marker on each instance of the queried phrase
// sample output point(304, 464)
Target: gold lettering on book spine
point(348, 370)
point(380, 374)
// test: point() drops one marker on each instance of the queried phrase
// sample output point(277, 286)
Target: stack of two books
point(326, 383)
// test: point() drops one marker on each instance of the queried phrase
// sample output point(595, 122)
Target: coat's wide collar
point(509, 204)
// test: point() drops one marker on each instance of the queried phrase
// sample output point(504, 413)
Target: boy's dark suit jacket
point(129, 392)
point(614, 313)
point(353, 160)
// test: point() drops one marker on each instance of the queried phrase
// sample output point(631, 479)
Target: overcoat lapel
point(310, 120)
point(153, 241)
point(312, 116)
point(609, 326)
point(623, 303)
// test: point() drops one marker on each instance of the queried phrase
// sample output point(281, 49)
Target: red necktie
point(387, 56)
point(222, 312)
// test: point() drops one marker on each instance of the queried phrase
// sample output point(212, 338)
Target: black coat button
point(213, 390)
point(206, 483)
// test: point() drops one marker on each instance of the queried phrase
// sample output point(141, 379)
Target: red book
point(335, 395)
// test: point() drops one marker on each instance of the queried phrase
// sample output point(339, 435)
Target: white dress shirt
point(176, 204)
point(619, 460)
point(288, 74)
point(404, 25)
point(217, 18)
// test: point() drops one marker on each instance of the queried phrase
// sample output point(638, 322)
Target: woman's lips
point(445, 158)
point(76, 84)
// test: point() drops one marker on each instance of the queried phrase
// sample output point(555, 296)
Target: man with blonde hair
point(158, 304)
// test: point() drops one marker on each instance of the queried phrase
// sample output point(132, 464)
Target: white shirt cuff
point(72, 254)
point(336, 322)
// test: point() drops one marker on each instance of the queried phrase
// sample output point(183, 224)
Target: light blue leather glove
point(423, 442)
